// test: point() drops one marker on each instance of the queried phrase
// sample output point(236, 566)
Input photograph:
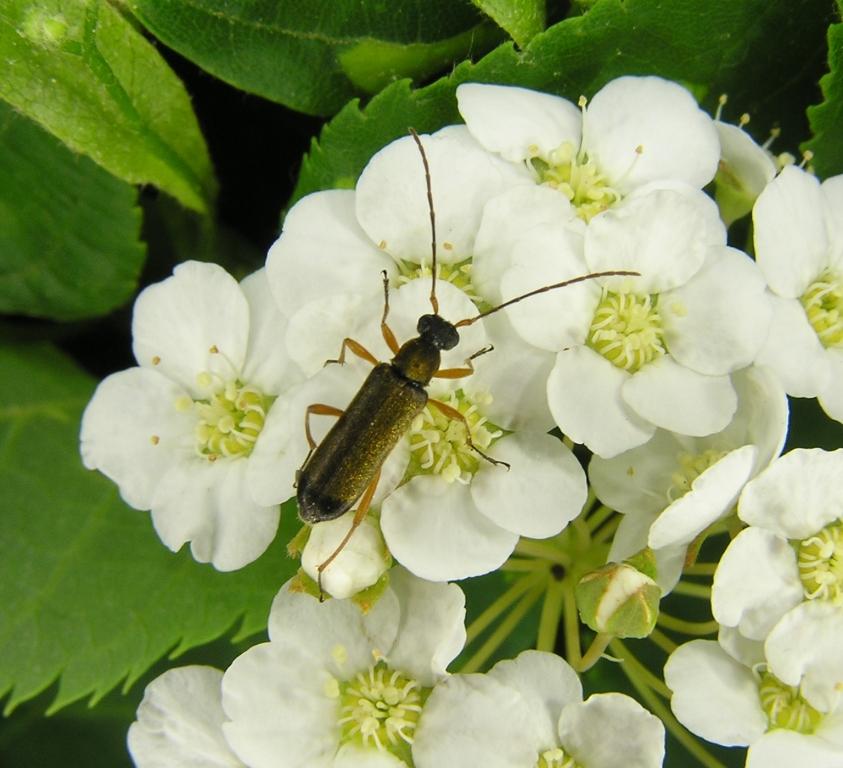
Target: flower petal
point(180, 722)
point(712, 495)
point(714, 696)
point(718, 320)
point(210, 505)
point(610, 730)
point(665, 235)
point(584, 394)
point(518, 123)
point(679, 399)
point(544, 479)
point(677, 140)
point(782, 748)
point(323, 253)
point(747, 652)
point(431, 631)
point(756, 583)
point(831, 395)
point(177, 322)
point(791, 240)
point(804, 650)
point(133, 433)
point(435, 531)
point(749, 165)
point(797, 495)
point(391, 195)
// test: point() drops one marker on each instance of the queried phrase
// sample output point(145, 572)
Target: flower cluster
point(668, 355)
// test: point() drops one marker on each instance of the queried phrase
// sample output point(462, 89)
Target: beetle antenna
point(544, 289)
point(433, 300)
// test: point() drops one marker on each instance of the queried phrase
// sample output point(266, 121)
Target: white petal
point(714, 696)
point(210, 505)
point(323, 253)
point(475, 720)
point(505, 218)
point(630, 536)
point(784, 749)
point(756, 583)
point(804, 649)
point(719, 319)
point(677, 140)
point(831, 395)
point(797, 495)
point(180, 722)
point(545, 255)
point(268, 365)
point(793, 350)
point(518, 123)
point(277, 703)
point(544, 479)
point(335, 635)
point(665, 235)
point(353, 756)
point(178, 321)
point(638, 480)
point(711, 497)
point(584, 394)
point(791, 241)
point(751, 166)
point(676, 398)
point(133, 433)
point(391, 195)
point(431, 631)
point(362, 561)
point(610, 730)
point(434, 530)
point(742, 649)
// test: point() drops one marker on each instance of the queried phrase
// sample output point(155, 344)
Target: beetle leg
point(386, 331)
point(453, 413)
point(359, 514)
point(320, 409)
point(460, 373)
point(357, 348)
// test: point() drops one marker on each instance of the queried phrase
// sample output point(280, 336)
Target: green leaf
point(69, 248)
point(88, 76)
point(89, 593)
point(827, 118)
point(762, 54)
point(314, 56)
point(522, 19)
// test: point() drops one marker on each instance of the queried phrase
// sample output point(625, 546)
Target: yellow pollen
point(785, 708)
point(448, 246)
point(820, 560)
point(823, 303)
point(214, 349)
point(382, 245)
point(458, 275)
point(627, 330)
point(155, 439)
point(156, 360)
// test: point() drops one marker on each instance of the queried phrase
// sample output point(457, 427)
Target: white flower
point(727, 703)
point(792, 549)
point(673, 487)
point(799, 248)
point(325, 269)
point(635, 130)
point(333, 687)
point(530, 712)
point(176, 433)
point(637, 353)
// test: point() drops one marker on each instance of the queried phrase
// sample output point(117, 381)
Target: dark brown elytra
point(345, 466)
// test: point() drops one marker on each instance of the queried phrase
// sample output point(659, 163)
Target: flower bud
point(619, 599)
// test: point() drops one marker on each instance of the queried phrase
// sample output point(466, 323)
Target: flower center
point(820, 559)
point(691, 466)
point(785, 708)
point(578, 178)
point(556, 758)
point(627, 330)
point(439, 444)
point(380, 708)
point(459, 275)
point(823, 303)
point(229, 419)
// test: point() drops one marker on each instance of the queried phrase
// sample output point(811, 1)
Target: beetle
point(345, 466)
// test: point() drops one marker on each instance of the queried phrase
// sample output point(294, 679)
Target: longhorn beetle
point(346, 465)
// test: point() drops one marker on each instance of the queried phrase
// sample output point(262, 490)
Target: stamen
point(823, 304)
point(820, 561)
point(459, 275)
point(785, 708)
point(556, 758)
point(691, 466)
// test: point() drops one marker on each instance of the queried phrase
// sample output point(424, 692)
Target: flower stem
point(599, 516)
point(637, 669)
point(533, 548)
point(503, 630)
point(703, 591)
point(594, 652)
point(701, 569)
point(687, 627)
point(550, 616)
point(524, 565)
point(663, 641)
point(573, 652)
point(500, 605)
point(607, 530)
